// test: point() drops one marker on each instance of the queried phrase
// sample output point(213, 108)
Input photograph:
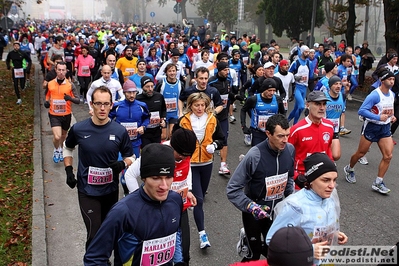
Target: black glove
point(67, 97)
point(239, 98)
point(47, 104)
point(246, 130)
point(291, 98)
point(71, 180)
point(117, 167)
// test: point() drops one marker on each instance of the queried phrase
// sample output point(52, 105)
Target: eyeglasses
point(100, 104)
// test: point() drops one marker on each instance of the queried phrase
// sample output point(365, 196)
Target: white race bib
point(275, 186)
point(158, 251)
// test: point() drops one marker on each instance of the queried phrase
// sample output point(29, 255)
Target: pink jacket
point(83, 64)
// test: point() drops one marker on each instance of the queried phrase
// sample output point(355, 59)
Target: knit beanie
point(184, 141)
point(157, 160)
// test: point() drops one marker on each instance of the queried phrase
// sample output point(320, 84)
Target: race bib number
point(171, 104)
point(158, 251)
point(85, 70)
point(99, 176)
point(262, 119)
point(225, 98)
point(154, 120)
point(335, 122)
point(18, 73)
point(245, 60)
point(131, 129)
point(324, 233)
point(275, 186)
point(130, 70)
point(59, 106)
point(181, 187)
point(349, 70)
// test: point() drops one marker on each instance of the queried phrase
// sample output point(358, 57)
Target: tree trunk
point(391, 29)
point(262, 27)
point(351, 23)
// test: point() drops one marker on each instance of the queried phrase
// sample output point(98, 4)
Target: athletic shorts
point(225, 128)
point(171, 120)
point(374, 132)
point(63, 121)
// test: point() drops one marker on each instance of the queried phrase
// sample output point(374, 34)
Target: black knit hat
point(184, 141)
point(222, 65)
point(317, 164)
point(290, 246)
point(144, 80)
point(329, 66)
point(268, 83)
point(157, 160)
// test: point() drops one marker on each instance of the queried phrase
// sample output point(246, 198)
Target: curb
point(39, 246)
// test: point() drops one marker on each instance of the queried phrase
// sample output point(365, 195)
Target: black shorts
point(63, 121)
point(172, 121)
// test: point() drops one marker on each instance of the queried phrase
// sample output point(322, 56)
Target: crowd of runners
point(150, 84)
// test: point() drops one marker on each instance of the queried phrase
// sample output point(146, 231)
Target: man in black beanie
point(183, 142)
point(145, 222)
point(157, 107)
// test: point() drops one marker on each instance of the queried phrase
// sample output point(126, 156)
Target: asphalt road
point(368, 218)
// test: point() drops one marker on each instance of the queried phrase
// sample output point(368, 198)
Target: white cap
point(269, 64)
point(316, 45)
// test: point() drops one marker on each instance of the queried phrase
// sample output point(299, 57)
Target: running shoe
point(241, 157)
point(61, 156)
point(242, 245)
point(204, 242)
point(234, 107)
point(223, 170)
point(380, 188)
point(349, 175)
point(363, 160)
point(344, 131)
point(19, 101)
point(248, 139)
point(349, 97)
point(394, 142)
point(232, 119)
point(56, 157)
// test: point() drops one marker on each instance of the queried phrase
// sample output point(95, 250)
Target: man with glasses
point(59, 95)
point(100, 140)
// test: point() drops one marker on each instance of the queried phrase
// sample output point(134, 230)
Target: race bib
point(68, 58)
point(335, 122)
point(130, 70)
point(181, 187)
point(155, 119)
point(99, 176)
point(131, 129)
point(262, 119)
point(225, 98)
point(171, 104)
point(324, 233)
point(18, 73)
point(158, 251)
point(245, 60)
point(85, 70)
point(59, 106)
point(275, 186)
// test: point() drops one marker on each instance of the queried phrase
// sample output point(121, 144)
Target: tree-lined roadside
point(16, 172)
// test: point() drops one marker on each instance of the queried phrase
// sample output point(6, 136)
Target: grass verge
point(16, 172)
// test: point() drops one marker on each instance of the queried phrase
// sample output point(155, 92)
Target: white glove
point(211, 148)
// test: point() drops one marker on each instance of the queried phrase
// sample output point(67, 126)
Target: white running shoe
point(204, 242)
point(19, 101)
point(363, 160)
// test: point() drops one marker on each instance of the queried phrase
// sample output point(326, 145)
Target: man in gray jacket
point(266, 174)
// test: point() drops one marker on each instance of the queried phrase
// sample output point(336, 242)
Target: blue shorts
point(374, 132)
point(225, 128)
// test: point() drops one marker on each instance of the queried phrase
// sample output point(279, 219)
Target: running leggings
point(300, 94)
point(201, 175)
point(185, 236)
point(93, 210)
point(255, 229)
point(84, 84)
point(21, 82)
